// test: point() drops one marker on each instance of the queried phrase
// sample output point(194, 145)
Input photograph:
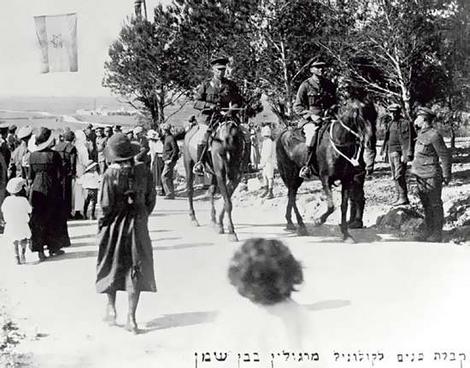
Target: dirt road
point(376, 295)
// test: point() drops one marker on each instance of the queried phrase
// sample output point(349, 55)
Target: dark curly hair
point(265, 271)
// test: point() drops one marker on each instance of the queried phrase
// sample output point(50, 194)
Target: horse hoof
point(221, 230)
point(291, 227)
point(233, 237)
point(349, 240)
point(302, 231)
point(195, 223)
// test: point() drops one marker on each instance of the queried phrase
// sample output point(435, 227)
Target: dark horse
point(339, 157)
point(227, 150)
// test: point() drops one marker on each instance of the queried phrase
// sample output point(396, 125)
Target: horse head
point(360, 119)
point(229, 134)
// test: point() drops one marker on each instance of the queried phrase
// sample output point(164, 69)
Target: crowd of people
point(59, 173)
point(52, 177)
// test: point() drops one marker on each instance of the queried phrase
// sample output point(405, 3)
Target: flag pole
point(145, 9)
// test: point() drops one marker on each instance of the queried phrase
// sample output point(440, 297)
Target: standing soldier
point(170, 156)
point(430, 148)
point(213, 95)
point(399, 147)
point(101, 140)
point(315, 98)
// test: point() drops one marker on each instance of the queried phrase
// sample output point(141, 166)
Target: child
point(16, 210)
point(267, 162)
point(90, 183)
point(265, 273)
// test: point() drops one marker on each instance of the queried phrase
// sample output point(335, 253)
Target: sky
point(99, 23)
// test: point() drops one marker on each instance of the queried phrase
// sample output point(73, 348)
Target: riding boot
point(436, 224)
point(400, 184)
point(356, 222)
point(198, 168)
point(306, 171)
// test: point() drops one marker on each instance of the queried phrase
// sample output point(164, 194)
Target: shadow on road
point(179, 320)
point(183, 246)
point(328, 304)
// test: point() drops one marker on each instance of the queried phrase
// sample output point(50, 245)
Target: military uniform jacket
point(406, 136)
point(100, 146)
point(430, 148)
point(209, 96)
point(315, 95)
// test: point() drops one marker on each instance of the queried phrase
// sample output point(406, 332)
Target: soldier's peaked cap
point(219, 60)
point(426, 112)
point(317, 64)
point(394, 107)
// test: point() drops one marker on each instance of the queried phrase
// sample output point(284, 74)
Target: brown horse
point(227, 152)
point(339, 157)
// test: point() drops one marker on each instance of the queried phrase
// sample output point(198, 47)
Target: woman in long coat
point(127, 198)
point(81, 163)
point(48, 218)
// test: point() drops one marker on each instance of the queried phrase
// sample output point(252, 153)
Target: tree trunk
point(452, 136)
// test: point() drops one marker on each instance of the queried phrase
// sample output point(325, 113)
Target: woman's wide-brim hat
point(15, 185)
point(120, 148)
point(41, 140)
point(90, 165)
point(24, 132)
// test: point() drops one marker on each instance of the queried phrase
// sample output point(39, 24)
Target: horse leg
point(212, 190)
point(190, 190)
point(330, 204)
point(290, 203)
point(345, 193)
point(226, 189)
point(302, 230)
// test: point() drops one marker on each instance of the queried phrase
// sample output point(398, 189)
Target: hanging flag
point(138, 8)
point(57, 36)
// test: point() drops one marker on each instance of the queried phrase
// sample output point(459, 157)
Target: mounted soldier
point(315, 99)
point(216, 98)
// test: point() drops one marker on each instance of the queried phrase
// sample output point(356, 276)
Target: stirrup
point(305, 172)
point(198, 169)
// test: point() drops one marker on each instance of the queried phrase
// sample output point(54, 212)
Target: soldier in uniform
point(399, 146)
point(430, 149)
point(315, 98)
point(213, 95)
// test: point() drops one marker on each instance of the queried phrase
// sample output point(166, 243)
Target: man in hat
point(19, 162)
point(398, 145)
point(68, 154)
point(170, 157)
point(101, 140)
point(215, 98)
point(430, 174)
point(12, 139)
point(139, 137)
point(91, 142)
point(315, 98)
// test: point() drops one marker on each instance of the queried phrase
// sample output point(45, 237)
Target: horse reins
point(355, 159)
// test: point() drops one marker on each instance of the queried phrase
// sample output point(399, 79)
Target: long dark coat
point(48, 218)
point(125, 259)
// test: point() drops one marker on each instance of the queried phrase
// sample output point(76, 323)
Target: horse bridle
point(355, 159)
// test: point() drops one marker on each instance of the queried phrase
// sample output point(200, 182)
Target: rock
point(403, 220)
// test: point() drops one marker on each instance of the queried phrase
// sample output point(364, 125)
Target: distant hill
point(49, 111)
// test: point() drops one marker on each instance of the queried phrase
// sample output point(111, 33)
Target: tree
point(147, 65)
point(220, 26)
point(289, 35)
point(395, 50)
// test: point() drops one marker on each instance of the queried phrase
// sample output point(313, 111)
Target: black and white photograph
point(235, 184)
